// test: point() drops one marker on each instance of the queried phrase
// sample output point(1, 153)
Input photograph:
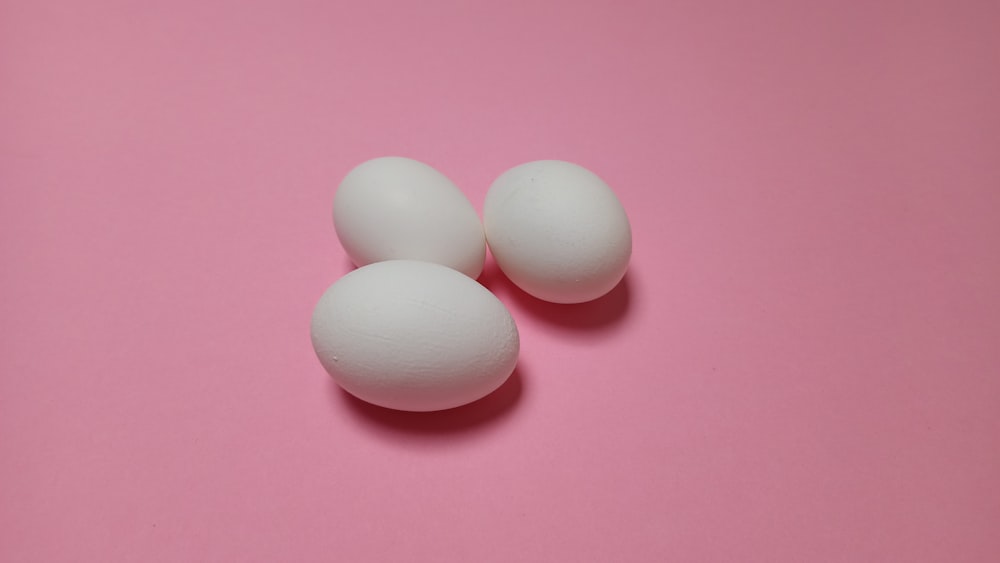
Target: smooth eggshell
point(557, 231)
point(414, 336)
point(398, 208)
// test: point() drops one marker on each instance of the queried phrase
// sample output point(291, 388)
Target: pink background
point(802, 365)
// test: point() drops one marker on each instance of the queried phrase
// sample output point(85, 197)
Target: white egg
point(557, 231)
point(398, 208)
point(414, 336)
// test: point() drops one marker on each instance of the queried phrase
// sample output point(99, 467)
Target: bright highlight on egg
point(411, 329)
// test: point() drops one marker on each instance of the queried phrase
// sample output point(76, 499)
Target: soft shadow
point(349, 266)
point(477, 415)
point(601, 313)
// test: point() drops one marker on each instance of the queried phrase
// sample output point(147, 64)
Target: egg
point(557, 231)
point(414, 336)
point(398, 208)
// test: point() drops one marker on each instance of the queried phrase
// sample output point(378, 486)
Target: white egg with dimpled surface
point(414, 336)
point(558, 231)
point(393, 208)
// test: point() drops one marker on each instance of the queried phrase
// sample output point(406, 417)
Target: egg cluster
point(411, 329)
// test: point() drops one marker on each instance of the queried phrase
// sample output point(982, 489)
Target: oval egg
point(414, 336)
point(557, 231)
point(398, 208)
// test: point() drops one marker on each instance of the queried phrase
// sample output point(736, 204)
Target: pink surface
point(803, 364)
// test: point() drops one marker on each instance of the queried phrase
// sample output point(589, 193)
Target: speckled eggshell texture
point(414, 336)
point(557, 231)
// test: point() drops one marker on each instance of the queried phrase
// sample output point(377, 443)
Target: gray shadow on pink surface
point(601, 314)
point(476, 416)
